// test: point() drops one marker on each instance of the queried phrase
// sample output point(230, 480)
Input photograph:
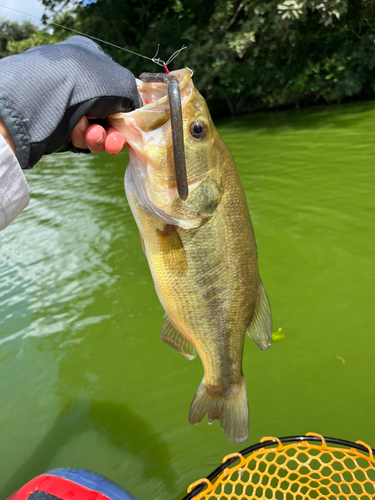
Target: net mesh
point(295, 471)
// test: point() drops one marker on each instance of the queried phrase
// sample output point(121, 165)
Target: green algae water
point(85, 381)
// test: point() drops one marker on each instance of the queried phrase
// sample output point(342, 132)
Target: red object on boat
point(71, 484)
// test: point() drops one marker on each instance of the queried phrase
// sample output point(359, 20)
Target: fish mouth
point(175, 108)
point(147, 131)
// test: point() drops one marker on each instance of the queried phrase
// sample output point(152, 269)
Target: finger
point(114, 142)
point(95, 137)
point(77, 137)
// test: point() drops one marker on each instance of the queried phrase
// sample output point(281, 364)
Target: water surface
point(85, 380)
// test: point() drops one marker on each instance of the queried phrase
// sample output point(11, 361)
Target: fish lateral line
point(205, 274)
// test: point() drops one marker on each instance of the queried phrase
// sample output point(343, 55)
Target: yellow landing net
point(295, 468)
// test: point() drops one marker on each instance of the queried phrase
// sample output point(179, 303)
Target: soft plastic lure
point(176, 125)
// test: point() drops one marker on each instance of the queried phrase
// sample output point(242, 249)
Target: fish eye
point(198, 130)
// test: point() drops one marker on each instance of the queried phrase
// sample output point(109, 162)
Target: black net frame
point(272, 442)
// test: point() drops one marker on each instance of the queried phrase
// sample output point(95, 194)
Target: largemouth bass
point(201, 251)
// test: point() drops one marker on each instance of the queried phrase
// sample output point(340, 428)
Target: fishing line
point(153, 59)
point(173, 56)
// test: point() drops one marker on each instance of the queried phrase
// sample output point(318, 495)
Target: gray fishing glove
point(45, 91)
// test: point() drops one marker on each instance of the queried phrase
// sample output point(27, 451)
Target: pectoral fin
point(204, 198)
point(260, 327)
point(172, 250)
point(171, 336)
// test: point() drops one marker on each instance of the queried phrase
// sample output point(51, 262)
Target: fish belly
point(207, 280)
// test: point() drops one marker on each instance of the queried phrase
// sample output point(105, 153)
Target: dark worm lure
point(177, 127)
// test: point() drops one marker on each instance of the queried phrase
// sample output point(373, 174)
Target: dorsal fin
point(260, 327)
point(171, 336)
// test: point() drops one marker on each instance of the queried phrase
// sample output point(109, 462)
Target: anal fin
point(260, 327)
point(172, 337)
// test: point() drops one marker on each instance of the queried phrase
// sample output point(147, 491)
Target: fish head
point(148, 134)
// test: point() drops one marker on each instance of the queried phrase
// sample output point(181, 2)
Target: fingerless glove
point(46, 90)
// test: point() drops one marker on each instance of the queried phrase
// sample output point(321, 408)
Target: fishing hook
point(164, 64)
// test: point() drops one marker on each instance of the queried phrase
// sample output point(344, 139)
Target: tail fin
point(230, 408)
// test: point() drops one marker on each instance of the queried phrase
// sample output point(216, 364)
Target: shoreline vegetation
point(247, 55)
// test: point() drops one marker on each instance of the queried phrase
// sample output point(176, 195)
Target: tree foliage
point(246, 54)
point(11, 31)
point(43, 36)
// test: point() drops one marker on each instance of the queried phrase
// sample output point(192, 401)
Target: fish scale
point(201, 252)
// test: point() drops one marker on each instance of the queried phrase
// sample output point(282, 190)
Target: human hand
point(96, 138)
point(45, 92)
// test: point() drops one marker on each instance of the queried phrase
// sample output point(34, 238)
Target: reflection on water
point(111, 421)
point(85, 381)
